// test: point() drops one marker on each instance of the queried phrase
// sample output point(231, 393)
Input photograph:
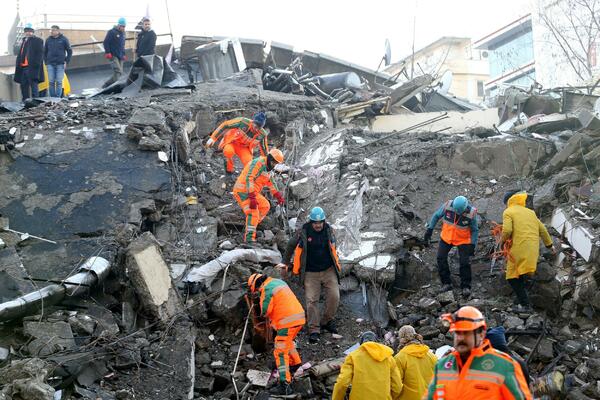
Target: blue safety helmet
point(317, 214)
point(122, 21)
point(460, 204)
point(259, 119)
point(28, 27)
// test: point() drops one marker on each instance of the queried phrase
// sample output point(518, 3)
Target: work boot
point(314, 337)
point(446, 288)
point(466, 293)
point(330, 327)
point(283, 389)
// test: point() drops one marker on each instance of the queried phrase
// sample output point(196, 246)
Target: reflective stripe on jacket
point(253, 178)
point(488, 374)
point(242, 131)
point(456, 229)
point(280, 305)
point(299, 242)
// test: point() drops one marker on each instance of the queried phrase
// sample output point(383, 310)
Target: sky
point(351, 30)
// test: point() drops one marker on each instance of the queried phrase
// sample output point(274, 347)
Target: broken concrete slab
point(302, 188)
point(578, 236)
point(229, 307)
point(48, 337)
point(150, 278)
point(578, 141)
point(147, 116)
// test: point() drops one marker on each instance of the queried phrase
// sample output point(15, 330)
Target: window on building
point(480, 91)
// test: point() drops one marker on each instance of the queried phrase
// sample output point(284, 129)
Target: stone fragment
point(48, 337)
point(302, 188)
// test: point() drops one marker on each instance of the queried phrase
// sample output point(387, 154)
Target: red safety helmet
point(467, 318)
point(252, 281)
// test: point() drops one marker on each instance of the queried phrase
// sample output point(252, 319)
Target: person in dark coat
point(114, 50)
point(29, 67)
point(146, 40)
point(57, 54)
point(497, 338)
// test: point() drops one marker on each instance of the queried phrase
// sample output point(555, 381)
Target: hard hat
point(368, 336)
point(277, 155)
point(260, 119)
point(122, 21)
point(28, 27)
point(317, 214)
point(460, 204)
point(467, 318)
point(252, 281)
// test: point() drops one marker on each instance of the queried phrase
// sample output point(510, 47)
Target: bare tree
point(573, 26)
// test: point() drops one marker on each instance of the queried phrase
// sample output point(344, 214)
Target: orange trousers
point(253, 216)
point(285, 352)
point(231, 149)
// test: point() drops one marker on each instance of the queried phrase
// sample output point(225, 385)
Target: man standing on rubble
point(521, 232)
point(57, 54)
point(371, 372)
point(146, 40)
point(280, 306)
point(239, 137)
point(29, 66)
point(317, 263)
point(114, 50)
point(248, 187)
point(415, 362)
point(490, 374)
point(460, 229)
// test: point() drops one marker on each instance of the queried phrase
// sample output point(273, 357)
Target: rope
point(502, 249)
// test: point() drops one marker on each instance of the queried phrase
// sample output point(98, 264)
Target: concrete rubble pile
point(129, 180)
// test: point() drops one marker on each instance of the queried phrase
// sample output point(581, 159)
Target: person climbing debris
point(370, 371)
point(240, 136)
point(280, 306)
point(415, 363)
point(248, 187)
point(460, 229)
point(316, 261)
point(490, 374)
point(521, 232)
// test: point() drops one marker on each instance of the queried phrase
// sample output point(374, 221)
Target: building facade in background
point(469, 67)
point(511, 56)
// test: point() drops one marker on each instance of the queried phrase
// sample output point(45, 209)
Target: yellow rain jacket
point(372, 372)
point(415, 364)
point(524, 228)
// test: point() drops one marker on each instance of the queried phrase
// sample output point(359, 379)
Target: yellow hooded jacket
point(415, 364)
point(372, 372)
point(524, 228)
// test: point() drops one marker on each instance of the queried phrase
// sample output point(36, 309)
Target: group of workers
point(477, 367)
point(520, 234)
point(55, 54)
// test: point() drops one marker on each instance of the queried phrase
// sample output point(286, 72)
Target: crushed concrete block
point(545, 350)
point(567, 176)
point(148, 117)
point(258, 378)
point(152, 143)
point(177, 270)
point(49, 337)
point(546, 296)
point(512, 322)
point(229, 307)
point(446, 297)
point(578, 236)
point(545, 272)
point(560, 159)
point(150, 278)
point(83, 325)
point(428, 304)
point(140, 208)
point(545, 195)
point(302, 189)
point(585, 288)
point(4, 355)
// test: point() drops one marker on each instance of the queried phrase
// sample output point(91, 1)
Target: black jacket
point(146, 41)
point(114, 43)
point(57, 50)
point(31, 49)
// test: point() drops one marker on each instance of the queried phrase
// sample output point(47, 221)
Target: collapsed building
point(121, 246)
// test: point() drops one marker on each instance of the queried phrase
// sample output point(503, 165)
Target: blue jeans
point(56, 74)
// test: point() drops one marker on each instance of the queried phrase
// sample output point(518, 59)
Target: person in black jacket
point(114, 50)
point(146, 40)
point(57, 54)
point(29, 67)
point(497, 338)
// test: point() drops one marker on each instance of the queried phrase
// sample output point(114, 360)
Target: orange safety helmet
point(252, 281)
point(277, 155)
point(467, 318)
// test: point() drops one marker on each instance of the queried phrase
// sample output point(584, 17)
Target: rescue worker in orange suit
point(239, 136)
point(475, 370)
point(459, 228)
point(522, 227)
point(280, 306)
point(248, 187)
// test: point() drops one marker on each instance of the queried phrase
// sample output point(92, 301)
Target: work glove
point(427, 237)
point(253, 203)
point(108, 56)
point(279, 198)
point(209, 143)
point(552, 249)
